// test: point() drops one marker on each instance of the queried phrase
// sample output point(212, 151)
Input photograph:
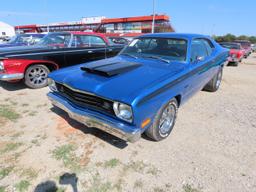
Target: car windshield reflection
point(164, 49)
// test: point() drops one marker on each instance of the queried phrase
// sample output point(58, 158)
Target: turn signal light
point(145, 122)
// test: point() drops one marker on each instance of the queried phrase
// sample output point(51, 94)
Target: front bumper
point(233, 60)
point(11, 77)
point(92, 119)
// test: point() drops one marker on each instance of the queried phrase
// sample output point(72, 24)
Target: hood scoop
point(109, 69)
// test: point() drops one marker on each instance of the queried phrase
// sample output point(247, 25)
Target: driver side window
point(198, 50)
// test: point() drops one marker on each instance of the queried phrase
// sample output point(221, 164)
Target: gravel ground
point(211, 149)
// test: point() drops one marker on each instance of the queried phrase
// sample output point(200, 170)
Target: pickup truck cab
point(56, 50)
point(141, 89)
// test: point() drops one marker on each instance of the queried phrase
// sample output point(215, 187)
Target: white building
point(6, 30)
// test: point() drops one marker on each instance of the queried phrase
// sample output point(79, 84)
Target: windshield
point(56, 40)
point(164, 48)
point(244, 44)
point(20, 39)
point(230, 46)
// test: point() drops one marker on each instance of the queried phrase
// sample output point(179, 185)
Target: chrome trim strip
point(54, 52)
point(10, 77)
point(91, 120)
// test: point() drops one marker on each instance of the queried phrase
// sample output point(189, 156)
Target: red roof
point(135, 19)
point(25, 26)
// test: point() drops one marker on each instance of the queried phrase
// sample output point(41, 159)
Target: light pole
point(153, 21)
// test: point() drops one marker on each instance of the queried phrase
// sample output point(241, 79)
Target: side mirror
point(199, 58)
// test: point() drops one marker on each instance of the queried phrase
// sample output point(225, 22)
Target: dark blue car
point(141, 89)
point(23, 40)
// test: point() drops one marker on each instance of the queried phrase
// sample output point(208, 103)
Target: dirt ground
point(211, 149)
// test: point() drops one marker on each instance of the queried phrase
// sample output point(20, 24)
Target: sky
point(210, 17)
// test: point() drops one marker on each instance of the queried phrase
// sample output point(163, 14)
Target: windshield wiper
point(159, 58)
point(130, 55)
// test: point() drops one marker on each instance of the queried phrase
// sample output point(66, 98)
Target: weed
point(99, 186)
point(137, 166)
point(158, 189)
point(138, 184)
point(61, 190)
point(32, 113)
point(29, 173)
point(5, 172)
point(10, 147)
point(111, 163)
point(22, 186)
point(189, 188)
point(153, 170)
point(7, 112)
point(25, 105)
point(17, 134)
point(2, 189)
point(36, 142)
point(66, 154)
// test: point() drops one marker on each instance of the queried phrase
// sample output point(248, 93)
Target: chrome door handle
point(90, 51)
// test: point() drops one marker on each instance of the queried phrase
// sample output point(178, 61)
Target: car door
point(200, 61)
point(85, 48)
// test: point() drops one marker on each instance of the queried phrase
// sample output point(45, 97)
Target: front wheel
point(215, 82)
point(36, 76)
point(163, 122)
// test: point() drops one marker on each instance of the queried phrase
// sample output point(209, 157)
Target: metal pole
point(153, 21)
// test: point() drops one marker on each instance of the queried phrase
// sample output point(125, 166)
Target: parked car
point(23, 40)
point(253, 46)
point(236, 53)
point(141, 89)
point(118, 40)
point(246, 45)
point(56, 50)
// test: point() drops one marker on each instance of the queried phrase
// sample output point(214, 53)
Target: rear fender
point(20, 65)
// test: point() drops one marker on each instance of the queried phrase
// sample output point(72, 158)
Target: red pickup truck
point(236, 52)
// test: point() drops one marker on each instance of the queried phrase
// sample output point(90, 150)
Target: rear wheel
point(163, 122)
point(36, 76)
point(214, 84)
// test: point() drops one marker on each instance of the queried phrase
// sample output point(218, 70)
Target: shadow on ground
point(12, 86)
point(119, 143)
point(50, 186)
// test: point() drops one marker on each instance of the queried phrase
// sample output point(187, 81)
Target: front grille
point(86, 100)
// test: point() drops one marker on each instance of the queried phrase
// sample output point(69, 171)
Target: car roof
point(79, 33)
point(175, 35)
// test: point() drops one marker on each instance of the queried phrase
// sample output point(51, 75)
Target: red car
point(246, 45)
point(236, 53)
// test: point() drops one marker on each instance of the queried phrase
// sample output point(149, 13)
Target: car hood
point(119, 78)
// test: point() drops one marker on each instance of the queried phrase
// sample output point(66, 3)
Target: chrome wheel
point(167, 119)
point(37, 75)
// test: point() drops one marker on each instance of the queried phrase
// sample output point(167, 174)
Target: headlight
point(52, 85)
point(233, 55)
point(123, 111)
point(1, 65)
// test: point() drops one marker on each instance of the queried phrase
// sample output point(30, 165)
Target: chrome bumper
point(10, 77)
point(96, 121)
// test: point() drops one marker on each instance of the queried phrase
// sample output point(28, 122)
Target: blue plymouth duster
point(141, 89)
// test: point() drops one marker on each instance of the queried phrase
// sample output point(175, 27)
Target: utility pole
point(153, 21)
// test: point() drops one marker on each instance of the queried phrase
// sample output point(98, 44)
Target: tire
point(36, 76)
point(215, 82)
point(235, 64)
point(159, 132)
